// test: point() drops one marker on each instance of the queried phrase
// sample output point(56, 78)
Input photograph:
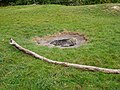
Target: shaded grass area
point(99, 23)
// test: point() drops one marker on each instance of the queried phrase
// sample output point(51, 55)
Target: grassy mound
point(100, 23)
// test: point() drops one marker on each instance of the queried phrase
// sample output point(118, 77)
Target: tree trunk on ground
point(66, 64)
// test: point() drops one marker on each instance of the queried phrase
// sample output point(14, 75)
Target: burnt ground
point(62, 40)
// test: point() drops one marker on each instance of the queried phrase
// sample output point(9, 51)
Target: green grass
point(99, 23)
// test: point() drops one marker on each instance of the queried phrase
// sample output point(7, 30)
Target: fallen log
point(66, 64)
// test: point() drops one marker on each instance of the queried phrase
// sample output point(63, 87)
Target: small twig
point(66, 64)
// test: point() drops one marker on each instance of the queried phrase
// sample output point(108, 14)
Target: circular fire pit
point(65, 42)
point(62, 40)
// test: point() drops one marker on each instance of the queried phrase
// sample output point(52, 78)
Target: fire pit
point(62, 40)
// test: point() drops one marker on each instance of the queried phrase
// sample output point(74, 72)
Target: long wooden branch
point(66, 64)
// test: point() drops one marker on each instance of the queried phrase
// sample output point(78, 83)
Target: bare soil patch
point(116, 7)
point(62, 40)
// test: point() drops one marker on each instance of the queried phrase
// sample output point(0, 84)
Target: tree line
point(63, 2)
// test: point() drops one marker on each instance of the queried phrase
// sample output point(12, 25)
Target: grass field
point(100, 23)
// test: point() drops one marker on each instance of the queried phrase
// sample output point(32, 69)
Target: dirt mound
point(116, 8)
point(62, 40)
